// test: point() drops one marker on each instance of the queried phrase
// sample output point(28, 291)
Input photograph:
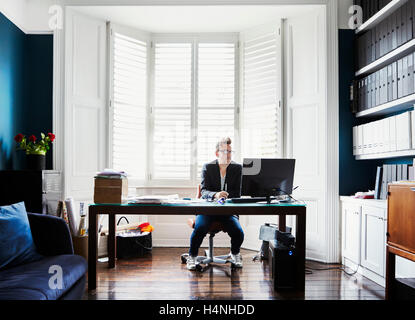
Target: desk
point(205, 208)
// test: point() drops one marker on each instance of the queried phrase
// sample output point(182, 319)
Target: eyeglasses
point(227, 152)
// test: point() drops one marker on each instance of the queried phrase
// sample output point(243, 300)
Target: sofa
point(58, 274)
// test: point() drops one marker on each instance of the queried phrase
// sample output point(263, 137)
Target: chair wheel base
point(184, 257)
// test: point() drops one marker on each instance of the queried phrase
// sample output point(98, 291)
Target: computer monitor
point(267, 177)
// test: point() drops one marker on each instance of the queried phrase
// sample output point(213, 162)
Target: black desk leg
point(300, 244)
point(111, 241)
point(281, 222)
point(390, 275)
point(92, 248)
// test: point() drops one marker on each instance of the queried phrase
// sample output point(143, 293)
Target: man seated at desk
point(221, 178)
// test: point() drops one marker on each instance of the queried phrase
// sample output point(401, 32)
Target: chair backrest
point(216, 226)
point(199, 191)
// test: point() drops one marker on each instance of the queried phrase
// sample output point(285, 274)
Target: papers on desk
point(111, 174)
point(153, 199)
point(158, 199)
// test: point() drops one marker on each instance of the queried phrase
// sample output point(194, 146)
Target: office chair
point(209, 257)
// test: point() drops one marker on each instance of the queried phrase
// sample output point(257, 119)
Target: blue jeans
point(230, 224)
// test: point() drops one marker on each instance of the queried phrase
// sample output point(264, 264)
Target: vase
point(36, 161)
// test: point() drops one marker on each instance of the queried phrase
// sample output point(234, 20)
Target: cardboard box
point(111, 190)
point(80, 246)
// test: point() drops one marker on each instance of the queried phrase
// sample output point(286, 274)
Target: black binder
point(390, 97)
point(388, 178)
point(369, 92)
point(394, 80)
point(378, 183)
point(354, 97)
point(398, 172)
point(385, 84)
point(364, 106)
point(404, 76)
point(373, 76)
point(404, 32)
point(394, 172)
point(373, 45)
point(393, 31)
point(381, 42)
point(382, 87)
point(384, 175)
point(405, 172)
point(368, 54)
point(400, 91)
point(378, 41)
point(413, 72)
point(398, 27)
point(410, 82)
point(377, 88)
point(409, 20)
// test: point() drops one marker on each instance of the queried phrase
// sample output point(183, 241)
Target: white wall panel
point(85, 103)
point(305, 72)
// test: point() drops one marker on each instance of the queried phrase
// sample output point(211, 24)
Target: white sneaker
point(237, 260)
point(191, 263)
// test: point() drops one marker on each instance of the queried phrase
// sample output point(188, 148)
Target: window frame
point(142, 36)
point(151, 40)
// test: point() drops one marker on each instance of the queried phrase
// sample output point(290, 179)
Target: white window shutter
point(172, 111)
point(129, 105)
point(261, 122)
point(215, 98)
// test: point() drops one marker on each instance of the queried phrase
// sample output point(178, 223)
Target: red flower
point(32, 138)
point(51, 136)
point(18, 138)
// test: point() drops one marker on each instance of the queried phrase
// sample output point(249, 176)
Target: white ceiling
point(175, 19)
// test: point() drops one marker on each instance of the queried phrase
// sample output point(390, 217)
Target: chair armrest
point(50, 234)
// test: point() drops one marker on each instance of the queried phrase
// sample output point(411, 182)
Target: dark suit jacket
point(211, 180)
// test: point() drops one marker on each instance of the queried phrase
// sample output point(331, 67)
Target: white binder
point(355, 140)
point(360, 140)
point(403, 131)
point(392, 134)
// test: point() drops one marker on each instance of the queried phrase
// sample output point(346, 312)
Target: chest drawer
point(401, 216)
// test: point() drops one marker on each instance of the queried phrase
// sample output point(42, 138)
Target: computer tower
point(282, 265)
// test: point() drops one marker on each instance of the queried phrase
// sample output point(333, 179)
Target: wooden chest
point(110, 190)
point(401, 216)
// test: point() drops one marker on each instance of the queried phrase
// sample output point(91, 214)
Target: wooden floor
point(160, 275)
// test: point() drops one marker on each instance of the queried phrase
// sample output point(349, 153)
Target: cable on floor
point(308, 270)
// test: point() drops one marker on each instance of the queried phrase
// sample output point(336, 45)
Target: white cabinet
point(373, 239)
point(364, 236)
point(351, 217)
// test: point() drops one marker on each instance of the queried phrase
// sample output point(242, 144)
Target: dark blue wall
point(26, 71)
point(354, 175)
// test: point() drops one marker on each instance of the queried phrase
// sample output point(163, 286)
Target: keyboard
point(248, 200)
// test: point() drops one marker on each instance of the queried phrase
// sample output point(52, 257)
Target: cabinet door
point(373, 246)
point(351, 216)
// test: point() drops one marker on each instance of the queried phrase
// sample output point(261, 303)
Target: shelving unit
point(401, 104)
point(386, 155)
point(377, 24)
point(387, 59)
point(378, 17)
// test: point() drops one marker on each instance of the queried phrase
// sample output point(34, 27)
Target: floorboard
point(160, 275)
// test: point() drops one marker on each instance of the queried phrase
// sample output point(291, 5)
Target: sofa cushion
point(39, 280)
point(16, 242)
